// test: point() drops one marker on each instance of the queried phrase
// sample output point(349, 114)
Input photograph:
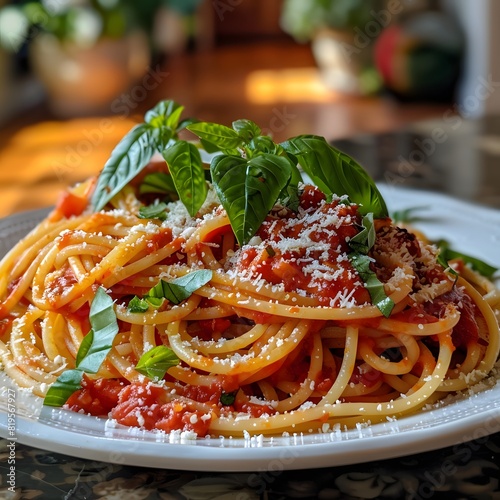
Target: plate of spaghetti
point(232, 303)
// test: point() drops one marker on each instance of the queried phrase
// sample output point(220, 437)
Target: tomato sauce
point(322, 271)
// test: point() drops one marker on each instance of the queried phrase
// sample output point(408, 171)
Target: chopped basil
point(155, 211)
point(66, 384)
point(174, 291)
point(227, 398)
point(156, 362)
point(92, 351)
point(374, 286)
point(361, 245)
point(365, 239)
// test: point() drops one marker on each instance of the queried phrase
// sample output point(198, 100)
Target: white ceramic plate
point(470, 228)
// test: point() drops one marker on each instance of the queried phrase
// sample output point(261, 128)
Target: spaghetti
point(284, 337)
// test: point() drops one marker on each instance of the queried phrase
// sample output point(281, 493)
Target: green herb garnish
point(156, 362)
point(227, 398)
point(334, 172)
point(135, 150)
point(361, 245)
point(155, 211)
point(174, 291)
point(186, 168)
point(249, 171)
point(92, 351)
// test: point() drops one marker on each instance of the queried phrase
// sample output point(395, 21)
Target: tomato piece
point(96, 397)
point(204, 393)
point(466, 330)
point(145, 406)
point(176, 416)
point(70, 204)
point(159, 240)
point(311, 197)
point(139, 405)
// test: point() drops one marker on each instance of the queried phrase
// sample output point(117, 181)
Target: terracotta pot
point(85, 80)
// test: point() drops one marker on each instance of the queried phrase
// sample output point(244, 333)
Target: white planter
point(85, 80)
point(341, 60)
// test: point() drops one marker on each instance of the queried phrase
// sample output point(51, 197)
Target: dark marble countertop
point(468, 470)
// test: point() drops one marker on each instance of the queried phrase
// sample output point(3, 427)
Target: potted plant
point(342, 33)
point(85, 52)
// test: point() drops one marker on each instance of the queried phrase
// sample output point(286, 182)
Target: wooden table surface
point(276, 85)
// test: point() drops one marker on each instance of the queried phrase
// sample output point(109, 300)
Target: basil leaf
point(154, 211)
point(128, 158)
point(166, 114)
point(407, 215)
point(137, 305)
point(66, 384)
point(175, 291)
point(361, 244)
point(246, 129)
point(336, 173)
point(443, 261)
point(364, 240)
point(135, 150)
point(223, 137)
point(84, 347)
point(209, 147)
point(156, 362)
point(181, 288)
point(374, 286)
point(104, 325)
point(92, 351)
point(264, 144)
point(186, 168)
point(227, 398)
point(158, 182)
point(446, 254)
point(248, 189)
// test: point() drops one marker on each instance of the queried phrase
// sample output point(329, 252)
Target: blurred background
point(406, 86)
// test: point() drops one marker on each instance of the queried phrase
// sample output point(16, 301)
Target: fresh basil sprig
point(135, 150)
point(92, 351)
point(156, 362)
point(250, 174)
point(361, 245)
point(249, 171)
point(174, 291)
